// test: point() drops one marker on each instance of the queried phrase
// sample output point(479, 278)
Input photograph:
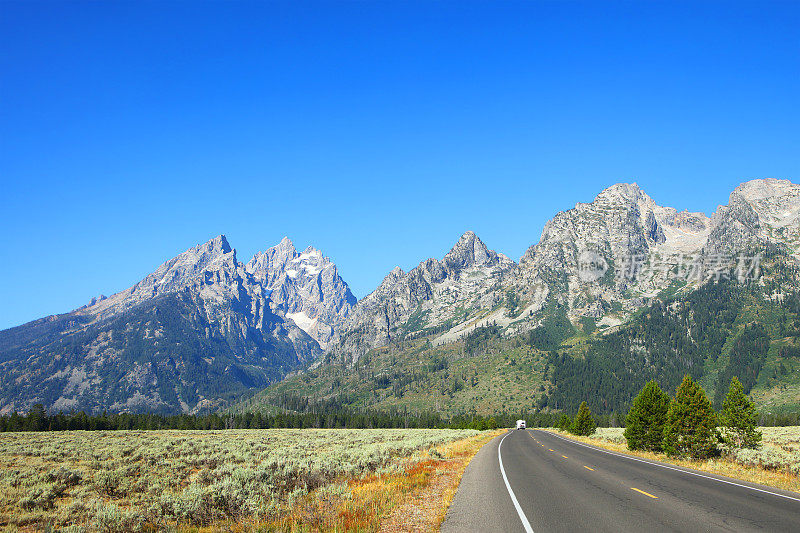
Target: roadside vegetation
point(775, 463)
point(250, 479)
point(584, 424)
point(685, 430)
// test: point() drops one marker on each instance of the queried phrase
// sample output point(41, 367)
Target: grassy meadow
point(237, 479)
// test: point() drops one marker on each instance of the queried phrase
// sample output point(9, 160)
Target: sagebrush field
point(147, 480)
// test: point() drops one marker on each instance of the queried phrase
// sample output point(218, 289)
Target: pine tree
point(738, 418)
point(584, 423)
point(691, 423)
point(644, 427)
point(564, 423)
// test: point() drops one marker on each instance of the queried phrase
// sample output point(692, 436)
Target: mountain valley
point(616, 291)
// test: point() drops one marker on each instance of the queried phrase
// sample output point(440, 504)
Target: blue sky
point(376, 131)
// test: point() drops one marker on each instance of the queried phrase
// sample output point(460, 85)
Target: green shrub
point(67, 477)
point(112, 519)
point(107, 482)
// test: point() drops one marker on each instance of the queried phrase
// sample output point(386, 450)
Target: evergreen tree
point(584, 423)
point(738, 418)
point(691, 423)
point(37, 418)
point(564, 423)
point(645, 423)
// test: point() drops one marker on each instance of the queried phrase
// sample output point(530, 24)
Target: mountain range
point(205, 330)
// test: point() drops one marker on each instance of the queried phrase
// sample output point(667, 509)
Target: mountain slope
point(432, 296)
point(723, 329)
point(618, 291)
point(200, 330)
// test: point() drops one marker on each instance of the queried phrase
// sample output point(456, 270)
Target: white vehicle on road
point(521, 424)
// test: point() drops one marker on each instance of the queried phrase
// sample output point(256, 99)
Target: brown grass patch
point(415, 497)
point(425, 507)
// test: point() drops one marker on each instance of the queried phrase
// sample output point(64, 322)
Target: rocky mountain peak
point(776, 201)
point(183, 270)
point(285, 244)
point(390, 278)
point(273, 258)
point(625, 194)
point(469, 251)
point(283, 260)
point(220, 244)
point(458, 287)
point(763, 188)
point(760, 214)
point(201, 298)
point(626, 191)
point(305, 286)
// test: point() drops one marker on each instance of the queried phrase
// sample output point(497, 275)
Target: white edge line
point(522, 517)
point(674, 468)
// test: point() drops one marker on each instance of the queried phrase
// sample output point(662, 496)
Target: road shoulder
point(424, 507)
point(482, 488)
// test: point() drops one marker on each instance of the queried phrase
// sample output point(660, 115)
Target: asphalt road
point(548, 483)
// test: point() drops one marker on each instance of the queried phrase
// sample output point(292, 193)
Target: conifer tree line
point(655, 422)
point(38, 420)
point(687, 425)
point(304, 414)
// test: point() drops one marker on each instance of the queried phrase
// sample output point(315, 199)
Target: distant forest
point(329, 414)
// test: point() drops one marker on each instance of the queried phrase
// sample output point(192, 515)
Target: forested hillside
point(722, 330)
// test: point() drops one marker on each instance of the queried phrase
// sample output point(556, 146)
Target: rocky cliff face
point(594, 254)
point(601, 260)
point(192, 335)
point(609, 257)
point(762, 214)
point(180, 272)
point(305, 286)
point(433, 296)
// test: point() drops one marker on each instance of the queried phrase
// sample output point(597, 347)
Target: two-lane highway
point(538, 481)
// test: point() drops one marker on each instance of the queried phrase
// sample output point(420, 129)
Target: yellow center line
point(565, 457)
point(551, 449)
point(645, 493)
point(588, 468)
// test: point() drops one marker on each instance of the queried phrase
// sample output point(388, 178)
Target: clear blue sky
point(378, 132)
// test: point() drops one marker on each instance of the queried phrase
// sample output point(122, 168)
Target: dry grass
point(424, 509)
point(413, 497)
point(249, 480)
point(725, 465)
